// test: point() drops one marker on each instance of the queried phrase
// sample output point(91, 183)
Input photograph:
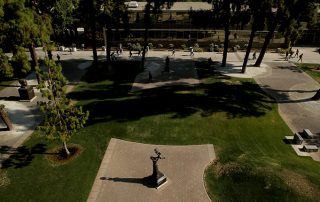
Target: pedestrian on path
point(130, 54)
point(254, 55)
point(191, 52)
point(300, 57)
point(139, 52)
point(173, 52)
point(58, 57)
point(291, 54)
point(297, 53)
point(287, 54)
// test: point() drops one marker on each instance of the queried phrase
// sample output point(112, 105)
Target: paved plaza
point(126, 163)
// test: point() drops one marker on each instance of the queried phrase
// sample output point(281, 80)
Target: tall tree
point(22, 26)
point(258, 9)
point(113, 12)
point(152, 6)
point(88, 14)
point(61, 119)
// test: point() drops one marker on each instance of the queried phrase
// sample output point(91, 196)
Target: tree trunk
point(316, 96)
point(226, 32)
point(66, 148)
point(108, 45)
point(94, 40)
point(267, 42)
point(34, 64)
point(145, 40)
point(5, 118)
point(244, 66)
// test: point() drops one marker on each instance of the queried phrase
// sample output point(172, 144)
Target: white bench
point(308, 134)
point(297, 139)
point(310, 148)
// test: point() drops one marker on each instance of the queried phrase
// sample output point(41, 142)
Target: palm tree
point(89, 9)
point(152, 6)
point(280, 6)
point(258, 11)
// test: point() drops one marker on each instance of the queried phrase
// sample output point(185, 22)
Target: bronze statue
point(23, 83)
point(157, 178)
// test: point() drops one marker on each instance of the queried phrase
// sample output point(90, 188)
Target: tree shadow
point(20, 157)
point(115, 102)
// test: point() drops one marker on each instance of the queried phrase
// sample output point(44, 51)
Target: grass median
point(234, 115)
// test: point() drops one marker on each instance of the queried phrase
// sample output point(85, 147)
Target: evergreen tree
point(61, 118)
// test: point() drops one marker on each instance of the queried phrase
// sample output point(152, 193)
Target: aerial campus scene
point(180, 101)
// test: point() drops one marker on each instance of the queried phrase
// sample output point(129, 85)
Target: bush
point(6, 70)
point(150, 45)
point(160, 45)
point(20, 61)
point(171, 45)
point(183, 46)
point(197, 49)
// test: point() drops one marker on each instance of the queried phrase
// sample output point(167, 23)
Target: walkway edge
point(97, 185)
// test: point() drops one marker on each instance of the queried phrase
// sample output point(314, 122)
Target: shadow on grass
point(115, 102)
point(20, 157)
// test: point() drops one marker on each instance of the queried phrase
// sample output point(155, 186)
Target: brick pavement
point(125, 164)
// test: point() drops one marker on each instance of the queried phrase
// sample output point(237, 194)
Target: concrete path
point(292, 89)
point(125, 164)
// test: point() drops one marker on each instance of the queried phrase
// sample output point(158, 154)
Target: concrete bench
point(308, 134)
point(297, 139)
point(310, 148)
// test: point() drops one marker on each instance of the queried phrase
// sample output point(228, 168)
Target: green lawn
point(234, 115)
point(312, 69)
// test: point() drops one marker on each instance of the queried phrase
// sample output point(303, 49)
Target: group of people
point(291, 54)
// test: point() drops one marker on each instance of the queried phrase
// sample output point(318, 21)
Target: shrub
point(150, 45)
point(197, 49)
point(6, 70)
point(171, 45)
point(183, 46)
point(20, 61)
point(160, 45)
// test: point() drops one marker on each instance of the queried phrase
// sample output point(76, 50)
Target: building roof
point(178, 6)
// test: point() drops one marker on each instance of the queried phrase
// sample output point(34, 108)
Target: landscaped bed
point(239, 119)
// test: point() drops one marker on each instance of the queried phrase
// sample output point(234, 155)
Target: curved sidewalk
point(125, 164)
point(292, 88)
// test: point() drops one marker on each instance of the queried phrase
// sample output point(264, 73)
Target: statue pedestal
point(26, 93)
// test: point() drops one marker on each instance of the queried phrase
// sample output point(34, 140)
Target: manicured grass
point(312, 69)
point(232, 114)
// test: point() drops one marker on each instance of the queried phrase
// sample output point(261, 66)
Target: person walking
point(254, 55)
point(191, 52)
point(297, 53)
point(300, 57)
point(287, 54)
point(130, 54)
point(58, 57)
point(173, 52)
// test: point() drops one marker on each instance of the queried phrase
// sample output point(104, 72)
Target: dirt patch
point(60, 157)
point(299, 184)
point(4, 179)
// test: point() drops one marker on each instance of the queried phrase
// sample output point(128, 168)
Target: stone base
point(156, 181)
point(26, 93)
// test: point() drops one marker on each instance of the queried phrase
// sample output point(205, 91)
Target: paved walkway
point(125, 164)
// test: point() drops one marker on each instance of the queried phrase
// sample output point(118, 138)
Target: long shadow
point(144, 181)
point(282, 96)
point(22, 156)
point(237, 100)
